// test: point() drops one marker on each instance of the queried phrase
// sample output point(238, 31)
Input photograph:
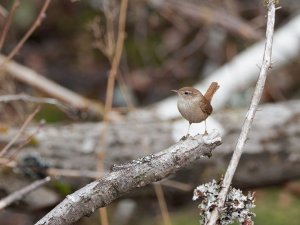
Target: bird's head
point(188, 93)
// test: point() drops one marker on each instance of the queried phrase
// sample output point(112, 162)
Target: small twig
point(29, 98)
point(184, 52)
point(74, 173)
point(30, 77)
point(25, 97)
point(3, 11)
point(58, 172)
point(18, 195)
point(36, 23)
point(11, 155)
point(112, 78)
point(100, 42)
point(109, 96)
point(20, 132)
point(125, 92)
point(117, 58)
point(11, 14)
point(250, 114)
point(7, 163)
point(177, 185)
point(162, 204)
point(110, 34)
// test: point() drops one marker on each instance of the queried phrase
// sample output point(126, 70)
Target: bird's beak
point(176, 91)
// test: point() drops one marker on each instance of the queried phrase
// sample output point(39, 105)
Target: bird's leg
point(205, 133)
point(188, 129)
point(187, 135)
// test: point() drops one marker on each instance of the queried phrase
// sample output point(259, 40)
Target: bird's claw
point(205, 133)
point(184, 137)
point(188, 136)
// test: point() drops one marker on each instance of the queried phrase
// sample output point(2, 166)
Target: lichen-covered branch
point(266, 64)
point(127, 177)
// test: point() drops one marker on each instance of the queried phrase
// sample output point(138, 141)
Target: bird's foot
point(205, 133)
point(185, 137)
point(188, 136)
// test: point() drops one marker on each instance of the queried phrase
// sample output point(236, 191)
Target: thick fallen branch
point(72, 156)
point(63, 146)
point(127, 177)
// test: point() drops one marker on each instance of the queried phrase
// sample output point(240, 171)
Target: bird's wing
point(206, 106)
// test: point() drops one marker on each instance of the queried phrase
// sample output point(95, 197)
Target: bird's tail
point(214, 86)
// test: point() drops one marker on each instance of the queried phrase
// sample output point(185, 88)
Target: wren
point(194, 106)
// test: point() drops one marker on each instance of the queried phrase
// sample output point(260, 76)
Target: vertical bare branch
point(117, 57)
point(109, 92)
point(162, 203)
point(112, 76)
point(11, 14)
point(266, 64)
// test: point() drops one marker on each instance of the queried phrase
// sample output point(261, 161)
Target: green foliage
point(62, 188)
point(51, 114)
point(276, 207)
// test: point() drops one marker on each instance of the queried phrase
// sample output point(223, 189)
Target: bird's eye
point(186, 92)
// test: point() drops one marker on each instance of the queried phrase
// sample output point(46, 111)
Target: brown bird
point(193, 105)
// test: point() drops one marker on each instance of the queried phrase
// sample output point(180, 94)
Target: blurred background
point(168, 44)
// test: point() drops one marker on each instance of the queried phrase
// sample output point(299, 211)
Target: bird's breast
point(191, 110)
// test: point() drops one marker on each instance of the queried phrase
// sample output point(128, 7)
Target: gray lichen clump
point(237, 205)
